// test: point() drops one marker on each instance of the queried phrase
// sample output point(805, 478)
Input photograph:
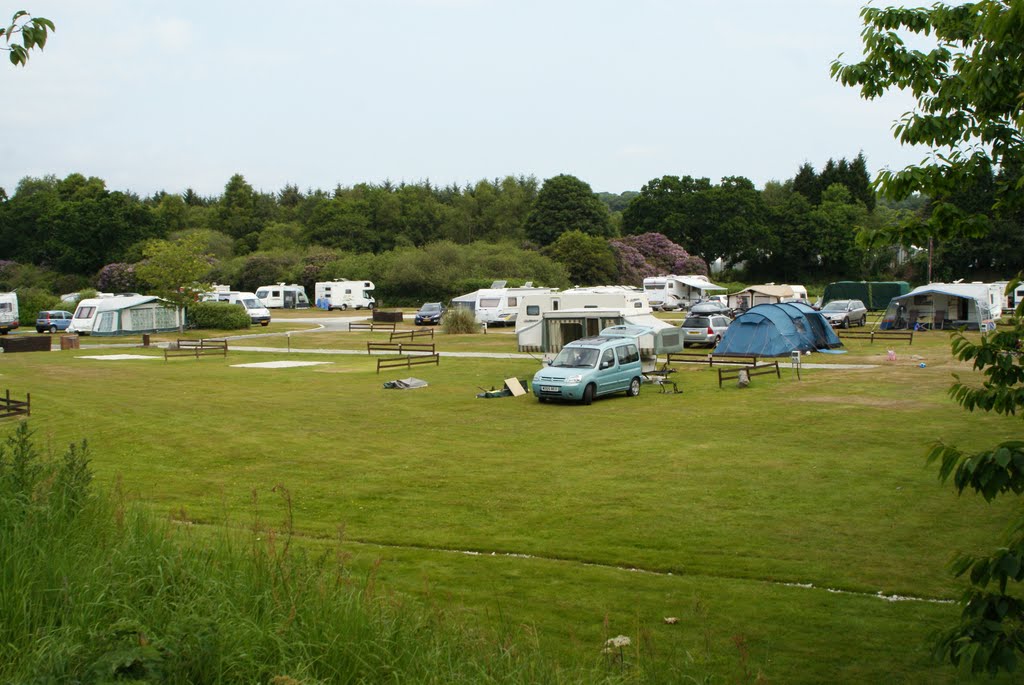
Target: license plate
point(549, 388)
point(694, 333)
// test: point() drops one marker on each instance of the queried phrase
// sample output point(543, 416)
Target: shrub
point(458, 320)
point(218, 315)
point(31, 301)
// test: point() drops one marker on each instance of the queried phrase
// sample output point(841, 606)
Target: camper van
point(8, 312)
point(283, 296)
point(678, 292)
point(499, 305)
point(254, 307)
point(331, 295)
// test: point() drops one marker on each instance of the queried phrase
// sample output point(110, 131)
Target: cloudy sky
point(175, 94)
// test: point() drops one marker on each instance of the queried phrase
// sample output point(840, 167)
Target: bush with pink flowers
point(652, 254)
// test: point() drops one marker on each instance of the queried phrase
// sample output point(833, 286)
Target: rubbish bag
point(405, 384)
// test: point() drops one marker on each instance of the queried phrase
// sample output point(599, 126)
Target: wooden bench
point(407, 361)
point(399, 347)
point(880, 335)
point(371, 326)
point(756, 370)
point(196, 348)
point(9, 407)
point(412, 335)
point(711, 359)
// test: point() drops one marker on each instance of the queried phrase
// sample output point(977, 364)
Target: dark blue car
point(430, 313)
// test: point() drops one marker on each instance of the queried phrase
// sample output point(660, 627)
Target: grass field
point(766, 519)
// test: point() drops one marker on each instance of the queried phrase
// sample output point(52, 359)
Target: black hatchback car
point(430, 313)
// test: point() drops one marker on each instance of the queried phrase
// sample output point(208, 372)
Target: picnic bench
point(9, 407)
point(407, 361)
point(907, 335)
point(371, 326)
point(755, 370)
point(196, 348)
point(399, 347)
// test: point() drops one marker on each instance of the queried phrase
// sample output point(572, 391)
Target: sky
point(164, 96)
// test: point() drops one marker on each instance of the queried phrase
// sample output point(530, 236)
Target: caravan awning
point(700, 284)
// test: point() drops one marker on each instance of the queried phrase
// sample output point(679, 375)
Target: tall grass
point(95, 590)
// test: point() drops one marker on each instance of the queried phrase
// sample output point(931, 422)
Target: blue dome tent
point(776, 330)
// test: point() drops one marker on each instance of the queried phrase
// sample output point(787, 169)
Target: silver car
point(704, 329)
point(845, 313)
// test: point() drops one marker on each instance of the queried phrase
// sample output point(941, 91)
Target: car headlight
point(574, 380)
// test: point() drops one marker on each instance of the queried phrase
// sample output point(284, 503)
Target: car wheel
point(369, 306)
point(634, 388)
point(718, 339)
point(845, 323)
point(864, 320)
point(53, 329)
point(264, 323)
point(343, 307)
point(588, 394)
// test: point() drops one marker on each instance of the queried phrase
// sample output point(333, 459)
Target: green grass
point(719, 498)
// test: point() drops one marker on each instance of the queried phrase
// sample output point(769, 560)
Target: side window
point(628, 354)
point(513, 302)
point(533, 309)
point(608, 359)
point(623, 354)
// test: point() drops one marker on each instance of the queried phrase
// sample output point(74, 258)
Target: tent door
point(961, 308)
point(593, 327)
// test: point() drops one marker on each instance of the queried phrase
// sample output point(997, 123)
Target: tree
point(173, 269)
point(34, 32)
point(565, 203)
point(589, 259)
point(968, 90)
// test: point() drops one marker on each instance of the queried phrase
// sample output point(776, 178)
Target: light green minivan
point(589, 368)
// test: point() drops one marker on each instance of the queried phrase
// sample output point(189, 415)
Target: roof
point(972, 291)
point(700, 283)
point(106, 304)
point(770, 290)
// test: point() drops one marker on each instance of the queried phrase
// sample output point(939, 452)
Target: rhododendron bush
point(652, 254)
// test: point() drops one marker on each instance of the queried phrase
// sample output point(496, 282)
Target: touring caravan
point(499, 305)
point(125, 314)
point(254, 307)
point(547, 321)
point(678, 292)
point(283, 296)
point(8, 312)
point(331, 295)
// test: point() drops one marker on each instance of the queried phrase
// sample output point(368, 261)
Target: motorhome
point(8, 312)
point(254, 307)
point(283, 296)
point(331, 295)
point(545, 322)
point(678, 292)
point(499, 305)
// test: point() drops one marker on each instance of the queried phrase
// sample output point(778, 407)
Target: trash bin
point(145, 339)
point(69, 342)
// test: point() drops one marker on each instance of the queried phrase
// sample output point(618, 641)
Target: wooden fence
point(399, 347)
point(196, 348)
point(711, 359)
point(412, 335)
point(9, 407)
point(407, 361)
point(880, 335)
point(756, 370)
point(371, 326)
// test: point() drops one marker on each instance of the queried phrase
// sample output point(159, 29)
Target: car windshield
point(696, 322)
point(252, 304)
point(576, 357)
point(835, 306)
point(430, 308)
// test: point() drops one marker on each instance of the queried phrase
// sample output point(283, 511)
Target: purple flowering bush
point(652, 254)
point(118, 277)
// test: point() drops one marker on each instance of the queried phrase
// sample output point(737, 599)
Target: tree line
point(420, 240)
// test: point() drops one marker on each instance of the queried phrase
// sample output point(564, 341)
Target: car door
point(607, 370)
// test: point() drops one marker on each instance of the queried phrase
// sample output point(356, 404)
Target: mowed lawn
point(767, 519)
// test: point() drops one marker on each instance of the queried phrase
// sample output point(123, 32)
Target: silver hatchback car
point(845, 313)
point(704, 329)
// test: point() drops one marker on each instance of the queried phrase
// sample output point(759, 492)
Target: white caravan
point(678, 292)
point(8, 312)
point(331, 295)
point(499, 305)
point(254, 307)
point(125, 314)
point(283, 296)
point(579, 312)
